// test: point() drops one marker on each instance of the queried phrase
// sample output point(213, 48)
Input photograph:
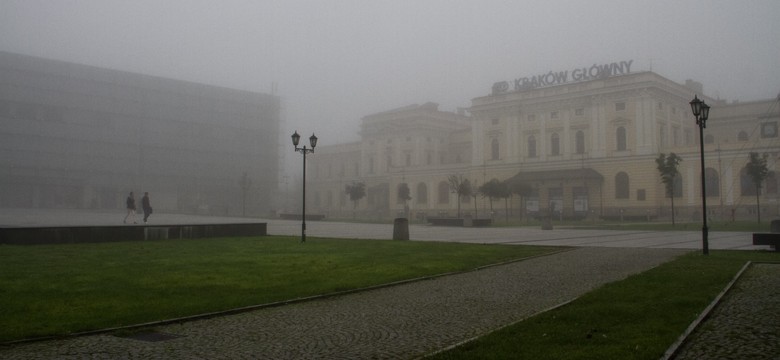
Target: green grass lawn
point(59, 289)
point(636, 318)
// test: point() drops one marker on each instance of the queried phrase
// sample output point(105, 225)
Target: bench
point(771, 239)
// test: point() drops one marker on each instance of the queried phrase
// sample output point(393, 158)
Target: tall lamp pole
point(702, 111)
point(303, 150)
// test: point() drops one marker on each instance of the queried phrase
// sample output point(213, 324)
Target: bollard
point(401, 229)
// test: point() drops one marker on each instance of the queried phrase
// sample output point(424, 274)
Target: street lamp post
point(303, 150)
point(702, 111)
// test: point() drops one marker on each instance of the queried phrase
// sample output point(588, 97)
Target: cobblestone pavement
point(746, 323)
point(398, 322)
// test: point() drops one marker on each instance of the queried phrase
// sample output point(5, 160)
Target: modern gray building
point(77, 136)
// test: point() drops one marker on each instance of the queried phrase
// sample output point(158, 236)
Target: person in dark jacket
point(130, 208)
point(147, 207)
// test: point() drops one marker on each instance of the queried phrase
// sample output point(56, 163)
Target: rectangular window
point(640, 194)
point(554, 115)
point(531, 117)
point(494, 121)
point(620, 106)
point(579, 112)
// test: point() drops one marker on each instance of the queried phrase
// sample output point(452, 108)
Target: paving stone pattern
point(398, 322)
point(746, 323)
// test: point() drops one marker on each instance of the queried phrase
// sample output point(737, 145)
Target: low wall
point(92, 234)
point(467, 222)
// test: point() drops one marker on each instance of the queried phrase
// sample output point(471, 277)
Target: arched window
point(677, 187)
point(621, 185)
point(579, 142)
point(422, 193)
point(743, 136)
point(444, 192)
point(712, 181)
point(709, 139)
point(531, 146)
point(555, 144)
point(494, 149)
point(747, 186)
point(620, 136)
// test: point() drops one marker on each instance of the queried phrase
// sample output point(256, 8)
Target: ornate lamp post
point(702, 111)
point(313, 142)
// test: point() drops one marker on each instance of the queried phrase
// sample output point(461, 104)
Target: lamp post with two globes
point(303, 150)
point(702, 111)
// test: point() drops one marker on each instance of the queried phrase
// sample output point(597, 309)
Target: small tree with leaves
point(404, 194)
point(667, 167)
point(356, 191)
point(523, 190)
point(492, 189)
point(757, 170)
point(459, 186)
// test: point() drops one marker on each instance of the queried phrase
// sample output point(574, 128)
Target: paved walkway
point(399, 322)
point(745, 324)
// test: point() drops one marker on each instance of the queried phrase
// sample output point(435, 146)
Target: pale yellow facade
point(586, 149)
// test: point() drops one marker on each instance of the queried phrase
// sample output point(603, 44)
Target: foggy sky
point(336, 61)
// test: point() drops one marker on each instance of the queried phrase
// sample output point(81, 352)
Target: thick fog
point(334, 62)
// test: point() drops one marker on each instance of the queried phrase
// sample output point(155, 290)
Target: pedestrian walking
point(130, 208)
point(147, 207)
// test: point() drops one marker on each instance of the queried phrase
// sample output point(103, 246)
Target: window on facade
point(688, 137)
point(743, 136)
point(579, 112)
point(408, 159)
point(662, 134)
point(676, 136)
point(555, 144)
point(444, 192)
point(494, 149)
point(712, 181)
point(428, 159)
point(579, 142)
point(747, 186)
point(769, 130)
point(329, 198)
point(620, 106)
point(770, 184)
point(371, 165)
point(621, 185)
point(620, 135)
point(531, 146)
point(422, 193)
point(641, 195)
point(709, 139)
point(554, 115)
point(494, 121)
point(677, 186)
point(531, 117)
point(660, 105)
